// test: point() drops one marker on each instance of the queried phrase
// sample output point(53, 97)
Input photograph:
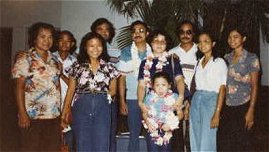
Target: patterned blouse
point(239, 78)
point(88, 81)
point(42, 98)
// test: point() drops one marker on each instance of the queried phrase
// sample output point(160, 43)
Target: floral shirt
point(239, 78)
point(88, 81)
point(42, 96)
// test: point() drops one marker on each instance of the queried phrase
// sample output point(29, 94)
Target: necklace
point(135, 57)
point(162, 61)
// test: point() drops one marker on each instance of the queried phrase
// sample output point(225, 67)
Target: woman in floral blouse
point(241, 94)
point(92, 85)
point(159, 61)
point(38, 92)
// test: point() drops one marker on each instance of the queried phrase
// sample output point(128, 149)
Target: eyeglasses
point(158, 42)
point(188, 32)
point(141, 30)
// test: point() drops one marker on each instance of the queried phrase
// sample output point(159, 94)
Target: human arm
point(141, 88)
point(122, 90)
point(179, 80)
point(220, 100)
point(23, 118)
point(113, 87)
point(254, 89)
point(67, 102)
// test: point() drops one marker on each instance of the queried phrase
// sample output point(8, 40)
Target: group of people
point(149, 81)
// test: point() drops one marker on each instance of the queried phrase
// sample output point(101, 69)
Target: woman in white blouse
point(210, 79)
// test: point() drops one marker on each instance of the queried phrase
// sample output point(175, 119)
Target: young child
point(160, 120)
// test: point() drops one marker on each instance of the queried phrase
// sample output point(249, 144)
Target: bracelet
point(218, 109)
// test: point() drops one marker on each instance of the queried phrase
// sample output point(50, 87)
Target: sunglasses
point(188, 32)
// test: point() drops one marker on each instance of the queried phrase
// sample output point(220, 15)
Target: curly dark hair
point(101, 21)
point(155, 33)
point(83, 56)
point(71, 36)
point(35, 29)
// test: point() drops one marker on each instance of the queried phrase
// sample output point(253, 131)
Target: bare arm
point(64, 78)
point(141, 88)
point(220, 101)
point(113, 87)
point(23, 121)
point(181, 90)
point(122, 90)
point(254, 89)
point(67, 102)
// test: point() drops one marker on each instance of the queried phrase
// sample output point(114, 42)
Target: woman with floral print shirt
point(241, 94)
point(92, 82)
point(38, 92)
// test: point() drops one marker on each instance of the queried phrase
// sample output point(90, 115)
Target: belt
point(92, 92)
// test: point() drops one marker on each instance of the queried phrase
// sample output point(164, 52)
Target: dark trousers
point(232, 134)
point(114, 113)
point(42, 135)
point(152, 147)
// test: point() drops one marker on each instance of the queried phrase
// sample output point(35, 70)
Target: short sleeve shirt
point(66, 64)
point(42, 98)
point(167, 68)
point(212, 76)
point(126, 68)
point(239, 78)
point(88, 81)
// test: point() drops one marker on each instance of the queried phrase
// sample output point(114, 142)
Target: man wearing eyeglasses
point(186, 50)
point(130, 59)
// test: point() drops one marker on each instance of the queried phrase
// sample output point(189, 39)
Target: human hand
point(144, 108)
point(215, 120)
point(66, 118)
point(123, 108)
point(23, 120)
point(249, 118)
point(165, 127)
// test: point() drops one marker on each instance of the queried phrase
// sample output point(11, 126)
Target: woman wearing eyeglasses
point(159, 61)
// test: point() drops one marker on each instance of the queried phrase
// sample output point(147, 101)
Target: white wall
point(21, 14)
point(78, 16)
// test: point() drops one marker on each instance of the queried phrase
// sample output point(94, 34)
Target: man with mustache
point(186, 50)
point(130, 59)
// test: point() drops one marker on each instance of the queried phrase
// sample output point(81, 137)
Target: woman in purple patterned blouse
point(241, 94)
point(92, 85)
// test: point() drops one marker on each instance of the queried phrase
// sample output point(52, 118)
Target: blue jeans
point(202, 137)
point(114, 113)
point(134, 124)
point(152, 147)
point(92, 122)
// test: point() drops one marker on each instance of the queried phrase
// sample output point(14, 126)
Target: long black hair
point(83, 57)
point(215, 52)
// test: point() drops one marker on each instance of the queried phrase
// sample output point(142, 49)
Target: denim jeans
point(114, 113)
point(202, 137)
point(152, 147)
point(134, 124)
point(92, 122)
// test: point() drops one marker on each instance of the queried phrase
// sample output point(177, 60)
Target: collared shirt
point(114, 54)
point(166, 68)
point(188, 61)
point(212, 76)
point(239, 78)
point(66, 64)
point(88, 81)
point(42, 98)
point(126, 68)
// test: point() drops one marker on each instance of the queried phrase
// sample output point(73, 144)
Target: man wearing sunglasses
point(130, 59)
point(186, 50)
